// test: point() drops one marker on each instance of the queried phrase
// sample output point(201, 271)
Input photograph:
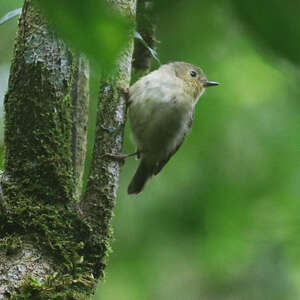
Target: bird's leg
point(125, 93)
point(120, 156)
point(108, 129)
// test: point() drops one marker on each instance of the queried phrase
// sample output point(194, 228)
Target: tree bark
point(49, 247)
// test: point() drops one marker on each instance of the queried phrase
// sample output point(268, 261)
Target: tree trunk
point(50, 248)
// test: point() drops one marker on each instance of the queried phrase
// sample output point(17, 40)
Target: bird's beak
point(210, 83)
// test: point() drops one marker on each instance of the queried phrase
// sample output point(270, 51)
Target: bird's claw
point(119, 156)
point(108, 129)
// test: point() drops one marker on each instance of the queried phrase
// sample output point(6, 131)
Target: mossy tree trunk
point(52, 245)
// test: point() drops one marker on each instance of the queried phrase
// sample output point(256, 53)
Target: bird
point(161, 107)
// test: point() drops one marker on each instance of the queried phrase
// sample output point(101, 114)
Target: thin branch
point(146, 27)
point(10, 15)
point(101, 189)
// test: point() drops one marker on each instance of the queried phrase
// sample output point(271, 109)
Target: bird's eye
point(193, 73)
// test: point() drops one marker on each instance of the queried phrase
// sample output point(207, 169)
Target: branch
point(100, 195)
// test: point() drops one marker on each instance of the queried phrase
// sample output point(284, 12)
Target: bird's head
point(194, 78)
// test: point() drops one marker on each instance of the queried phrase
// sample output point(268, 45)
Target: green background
point(221, 221)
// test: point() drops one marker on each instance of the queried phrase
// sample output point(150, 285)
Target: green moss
point(11, 244)
point(38, 107)
point(60, 233)
point(55, 287)
point(38, 133)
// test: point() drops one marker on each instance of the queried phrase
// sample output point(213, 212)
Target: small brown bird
point(161, 109)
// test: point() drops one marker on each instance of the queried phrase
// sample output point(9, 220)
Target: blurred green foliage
point(275, 24)
point(90, 27)
point(222, 219)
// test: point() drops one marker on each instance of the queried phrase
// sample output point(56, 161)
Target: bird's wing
point(162, 163)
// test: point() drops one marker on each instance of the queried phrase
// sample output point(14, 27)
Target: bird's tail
point(142, 174)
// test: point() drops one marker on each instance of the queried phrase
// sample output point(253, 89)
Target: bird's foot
point(108, 129)
point(125, 93)
point(120, 156)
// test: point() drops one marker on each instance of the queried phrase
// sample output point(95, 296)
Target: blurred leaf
point(276, 24)
point(90, 27)
point(10, 15)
